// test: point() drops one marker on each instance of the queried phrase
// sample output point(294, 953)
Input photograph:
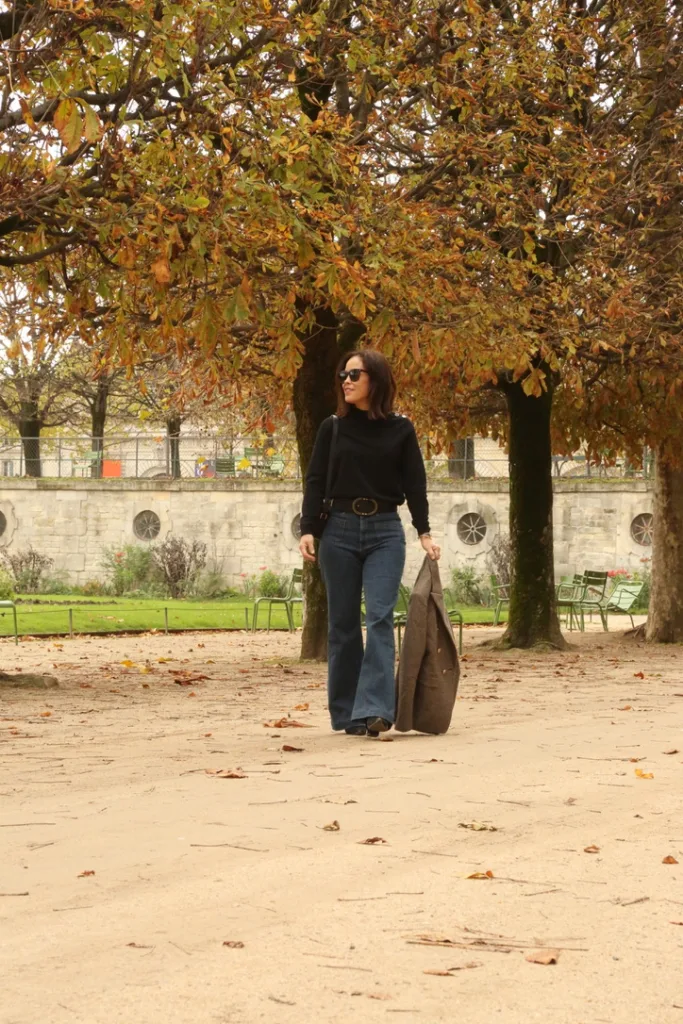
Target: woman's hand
point(432, 549)
point(307, 547)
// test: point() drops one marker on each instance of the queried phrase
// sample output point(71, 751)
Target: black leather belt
point(362, 506)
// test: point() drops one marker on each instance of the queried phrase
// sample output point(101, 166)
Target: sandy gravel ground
point(130, 870)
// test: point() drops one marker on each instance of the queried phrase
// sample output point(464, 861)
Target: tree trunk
point(313, 399)
point(173, 425)
point(98, 417)
point(665, 620)
point(461, 459)
point(29, 430)
point(533, 613)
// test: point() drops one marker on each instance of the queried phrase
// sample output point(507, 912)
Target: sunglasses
point(352, 375)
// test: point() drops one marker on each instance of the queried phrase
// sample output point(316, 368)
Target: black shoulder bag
point(327, 499)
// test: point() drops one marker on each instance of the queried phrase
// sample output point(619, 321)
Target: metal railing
point(206, 456)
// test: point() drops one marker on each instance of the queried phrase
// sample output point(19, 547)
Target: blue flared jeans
point(361, 556)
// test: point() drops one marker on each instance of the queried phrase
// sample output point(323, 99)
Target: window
point(7, 468)
point(471, 528)
point(3, 523)
point(146, 525)
point(641, 529)
point(296, 527)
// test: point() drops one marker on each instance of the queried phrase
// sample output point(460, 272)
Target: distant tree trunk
point(29, 429)
point(533, 614)
point(313, 399)
point(173, 425)
point(665, 620)
point(461, 459)
point(98, 417)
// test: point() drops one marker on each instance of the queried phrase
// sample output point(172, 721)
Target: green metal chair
point(11, 604)
point(400, 611)
point(501, 595)
point(592, 601)
point(622, 599)
point(274, 465)
point(289, 600)
point(225, 465)
point(454, 615)
point(568, 599)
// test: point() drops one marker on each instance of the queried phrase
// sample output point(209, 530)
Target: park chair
point(225, 465)
point(289, 600)
point(501, 595)
point(274, 465)
point(568, 598)
point(596, 585)
point(400, 611)
point(85, 463)
point(622, 600)
point(11, 604)
point(454, 615)
point(254, 457)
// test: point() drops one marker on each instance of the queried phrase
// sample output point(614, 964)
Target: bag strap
point(330, 457)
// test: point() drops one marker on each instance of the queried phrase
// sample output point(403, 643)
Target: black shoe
point(377, 725)
point(356, 730)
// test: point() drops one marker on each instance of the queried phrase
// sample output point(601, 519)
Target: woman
point(376, 465)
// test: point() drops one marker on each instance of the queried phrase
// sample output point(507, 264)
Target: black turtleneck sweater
point(378, 459)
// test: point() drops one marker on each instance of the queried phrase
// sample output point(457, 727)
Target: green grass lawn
point(40, 615)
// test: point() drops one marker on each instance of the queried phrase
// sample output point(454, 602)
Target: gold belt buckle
point(359, 513)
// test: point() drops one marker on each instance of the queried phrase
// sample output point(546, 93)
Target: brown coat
point(428, 670)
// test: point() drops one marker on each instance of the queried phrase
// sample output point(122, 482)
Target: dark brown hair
point(382, 384)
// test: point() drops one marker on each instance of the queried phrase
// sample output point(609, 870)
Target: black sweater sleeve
point(415, 482)
point(316, 478)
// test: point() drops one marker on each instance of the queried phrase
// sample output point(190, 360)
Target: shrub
point(249, 585)
point(179, 563)
point(272, 584)
point(212, 584)
point(95, 588)
point(467, 586)
point(128, 568)
point(56, 583)
point(6, 585)
point(28, 568)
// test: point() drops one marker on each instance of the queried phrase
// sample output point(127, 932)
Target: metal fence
point(207, 456)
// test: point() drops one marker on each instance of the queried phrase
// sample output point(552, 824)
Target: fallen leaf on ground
point(451, 970)
point(635, 760)
point(225, 773)
point(85, 686)
point(208, 734)
point(378, 995)
point(85, 874)
point(232, 944)
point(127, 663)
point(626, 707)
point(301, 707)
point(477, 826)
point(332, 827)
point(45, 714)
point(185, 680)
point(373, 841)
point(638, 675)
point(644, 775)
point(163, 661)
point(669, 860)
point(136, 945)
point(286, 723)
point(544, 957)
point(288, 749)
point(676, 922)
point(591, 849)
point(671, 751)
point(481, 874)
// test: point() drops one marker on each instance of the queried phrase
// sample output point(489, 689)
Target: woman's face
point(357, 392)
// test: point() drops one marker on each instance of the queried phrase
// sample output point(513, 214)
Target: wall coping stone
point(146, 485)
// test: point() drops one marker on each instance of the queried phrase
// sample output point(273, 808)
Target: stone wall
point(248, 524)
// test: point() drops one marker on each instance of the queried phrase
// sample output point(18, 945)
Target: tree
point(35, 385)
